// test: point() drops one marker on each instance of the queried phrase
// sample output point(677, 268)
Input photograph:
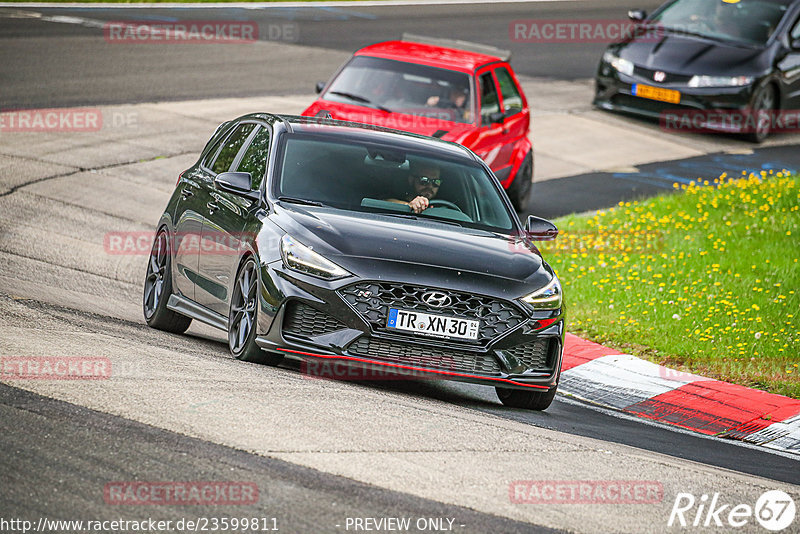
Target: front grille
point(644, 104)
point(669, 77)
point(425, 356)
point(372, 301)
point(303, 320)
point(533, 355)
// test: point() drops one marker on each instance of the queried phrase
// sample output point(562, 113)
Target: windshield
point(404, 88)
point(742, 21)
point(361, 177)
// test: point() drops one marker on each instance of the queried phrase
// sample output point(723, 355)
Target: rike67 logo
point(774, 510)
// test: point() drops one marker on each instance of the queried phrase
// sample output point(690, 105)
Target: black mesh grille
point(303, 320)
point(431, 357)
point(533, 355)
point(644, 104)
point(372, 301)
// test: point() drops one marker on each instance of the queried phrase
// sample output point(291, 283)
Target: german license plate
point(656, 93)
point(432, 325)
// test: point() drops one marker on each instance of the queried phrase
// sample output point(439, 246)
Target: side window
point(512, 101)
point(213, 152)
point(489, 102)
point(231, 147)
point(796, 31)
point(254, 159)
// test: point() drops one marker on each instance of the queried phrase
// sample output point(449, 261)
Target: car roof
point(429, 54)
point(365, 132)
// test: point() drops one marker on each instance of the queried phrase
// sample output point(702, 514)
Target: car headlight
point(622, 65)
point(301, 258)
point(720, 81)
point(546, 298)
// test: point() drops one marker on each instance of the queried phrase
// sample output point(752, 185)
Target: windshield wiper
point(414, 217)
point(301, 201)
point(351, 96)
point(359, 98)
point(400, 215)
point(443, 221)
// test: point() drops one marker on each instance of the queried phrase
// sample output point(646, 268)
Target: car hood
point(372, 245)
point(397, 121)
point(691, 55)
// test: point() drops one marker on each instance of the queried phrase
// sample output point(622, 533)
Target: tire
point(764, 102)
point(158, 288)
point(520, 189)
point(243, 317)
point(529, 400)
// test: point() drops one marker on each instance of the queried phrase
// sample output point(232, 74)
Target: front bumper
point(344, 325)
point(613, 92)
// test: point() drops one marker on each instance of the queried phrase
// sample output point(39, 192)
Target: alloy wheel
point(243, 307)
point(762, 108)
point(156, 271)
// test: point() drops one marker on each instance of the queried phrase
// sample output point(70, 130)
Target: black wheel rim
point(526, 186)
point(763, 107)
point(243, 307)
point(156, 271)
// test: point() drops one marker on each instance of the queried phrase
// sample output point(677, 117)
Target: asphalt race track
point(79, 72)
point(179, 408)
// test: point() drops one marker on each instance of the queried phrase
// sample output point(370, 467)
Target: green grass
point(705, 280)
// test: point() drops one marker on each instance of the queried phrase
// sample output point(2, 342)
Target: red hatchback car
point(461, 92)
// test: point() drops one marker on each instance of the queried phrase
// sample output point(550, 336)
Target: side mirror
point(795, 44)
point(497, 117)
point(637, 15)
point(319, 87)
point(237, 183)
point(539, 229)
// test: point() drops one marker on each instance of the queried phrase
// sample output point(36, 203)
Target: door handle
point(186, 193)
point(212, 207)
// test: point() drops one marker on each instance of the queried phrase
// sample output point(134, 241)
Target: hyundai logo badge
point(436, 299)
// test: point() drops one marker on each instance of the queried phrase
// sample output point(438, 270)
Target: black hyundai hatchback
point(737, 62)
point(301, 239)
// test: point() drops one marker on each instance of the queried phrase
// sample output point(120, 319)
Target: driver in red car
point(457, 100)
point(424, 180)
